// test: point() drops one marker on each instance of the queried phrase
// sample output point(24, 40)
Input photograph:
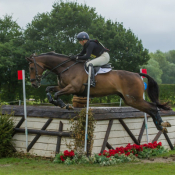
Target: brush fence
point(48, 128)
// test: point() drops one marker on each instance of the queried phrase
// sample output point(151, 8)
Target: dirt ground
point(160, 159)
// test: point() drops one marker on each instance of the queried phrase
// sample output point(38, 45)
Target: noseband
point(38, 78)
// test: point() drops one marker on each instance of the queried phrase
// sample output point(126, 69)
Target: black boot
point(57, 102)
point(92, 80)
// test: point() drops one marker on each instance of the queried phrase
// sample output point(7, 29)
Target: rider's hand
point(73, 57)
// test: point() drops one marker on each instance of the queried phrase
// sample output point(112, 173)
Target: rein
point(40, 77)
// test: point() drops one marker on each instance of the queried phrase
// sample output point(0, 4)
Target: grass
point(173, 108)
point(24, 166)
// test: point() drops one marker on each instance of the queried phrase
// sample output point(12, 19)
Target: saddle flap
point(97, 68)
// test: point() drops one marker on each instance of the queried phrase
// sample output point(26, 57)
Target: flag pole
point(87, 109)
point(145, 116)
point(25, 108)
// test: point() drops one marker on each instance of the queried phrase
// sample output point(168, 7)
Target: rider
point(94, 49)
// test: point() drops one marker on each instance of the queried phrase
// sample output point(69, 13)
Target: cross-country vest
point(100, 46)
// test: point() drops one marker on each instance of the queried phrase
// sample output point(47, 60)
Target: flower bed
point(140, 151)
point(111, 157)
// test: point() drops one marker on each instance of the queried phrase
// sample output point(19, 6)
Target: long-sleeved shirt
point(91, 49)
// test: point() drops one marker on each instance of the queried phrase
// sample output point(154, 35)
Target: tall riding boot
point(92, 81)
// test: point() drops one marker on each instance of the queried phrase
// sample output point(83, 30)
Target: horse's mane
point(53, 53)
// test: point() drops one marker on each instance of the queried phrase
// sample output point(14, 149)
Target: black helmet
point(82, 36)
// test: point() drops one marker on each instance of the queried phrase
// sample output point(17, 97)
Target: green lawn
point(173, 109)
point(17, 166)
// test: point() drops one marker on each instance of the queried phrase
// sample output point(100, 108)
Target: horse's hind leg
point(148, 108)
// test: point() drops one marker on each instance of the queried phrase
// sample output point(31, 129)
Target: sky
point(152, 21)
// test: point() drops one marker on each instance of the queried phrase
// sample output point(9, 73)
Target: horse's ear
point(29, 59)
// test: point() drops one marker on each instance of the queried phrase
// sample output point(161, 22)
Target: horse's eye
point(31, 68)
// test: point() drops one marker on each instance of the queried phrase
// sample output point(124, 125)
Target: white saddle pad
point(102, 71)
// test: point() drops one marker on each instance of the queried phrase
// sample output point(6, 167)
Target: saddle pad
point(102, 71)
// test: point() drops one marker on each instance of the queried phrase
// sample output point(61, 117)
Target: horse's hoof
point(164, 130)
point(165, 124)
point(69, 107)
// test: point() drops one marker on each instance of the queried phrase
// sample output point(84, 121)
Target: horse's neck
point(59, 64)
point(50, 62)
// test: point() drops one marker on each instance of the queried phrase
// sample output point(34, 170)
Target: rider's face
point(83, 42)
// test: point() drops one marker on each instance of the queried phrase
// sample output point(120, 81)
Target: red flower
point(127, 154)
point(71, 153)
point(62, 158)
point(66, 153)
point(160, 144)
point(130, 149)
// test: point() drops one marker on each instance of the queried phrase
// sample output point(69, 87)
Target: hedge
point(167, 93)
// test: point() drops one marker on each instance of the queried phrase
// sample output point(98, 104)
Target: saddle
point(99, 69)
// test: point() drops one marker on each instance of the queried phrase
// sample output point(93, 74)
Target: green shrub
point(6, 130)
point(167, 93)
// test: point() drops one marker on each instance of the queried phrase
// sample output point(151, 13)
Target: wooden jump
point(48, 128)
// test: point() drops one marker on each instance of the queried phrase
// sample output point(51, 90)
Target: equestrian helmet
point(82, 36)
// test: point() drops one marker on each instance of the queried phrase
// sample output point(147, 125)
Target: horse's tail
point(153, 92)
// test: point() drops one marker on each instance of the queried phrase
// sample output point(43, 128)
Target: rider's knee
point(89, 64)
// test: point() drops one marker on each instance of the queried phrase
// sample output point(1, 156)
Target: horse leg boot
point(57, 102)
point(158, 122)
point(161, 122)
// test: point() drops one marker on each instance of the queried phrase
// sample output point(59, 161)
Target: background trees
point(11, 56)
point(161, 66)
point(57, 30)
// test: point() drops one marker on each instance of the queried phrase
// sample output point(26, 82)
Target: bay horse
point(71, 77)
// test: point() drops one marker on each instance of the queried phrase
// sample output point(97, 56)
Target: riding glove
point(73, 57)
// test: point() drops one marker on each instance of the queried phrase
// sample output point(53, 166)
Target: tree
point(170, 56)
point(153, 69)
point(126, 51)
point(11, 56)
point(167, 68)
point(57, 30)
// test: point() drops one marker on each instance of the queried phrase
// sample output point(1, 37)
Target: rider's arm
point(82, 52)
point(89, 50)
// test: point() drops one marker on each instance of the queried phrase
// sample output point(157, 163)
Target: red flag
point(20, 75)
point(144, 71)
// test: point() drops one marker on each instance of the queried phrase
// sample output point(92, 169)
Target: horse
point(72, 76)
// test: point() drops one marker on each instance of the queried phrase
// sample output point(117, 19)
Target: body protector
point(92, 48)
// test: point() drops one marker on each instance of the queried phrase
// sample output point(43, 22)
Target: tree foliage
point(56, 31)
point(154, 70)
point(166, 65)
point(11, 54)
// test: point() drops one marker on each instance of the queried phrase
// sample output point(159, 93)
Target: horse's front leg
point(53, 89)
point(58, 102)
point(67, 90)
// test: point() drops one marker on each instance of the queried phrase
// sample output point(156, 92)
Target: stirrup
point(91, 84)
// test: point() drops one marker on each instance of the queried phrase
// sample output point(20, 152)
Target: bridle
point(38, 77)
